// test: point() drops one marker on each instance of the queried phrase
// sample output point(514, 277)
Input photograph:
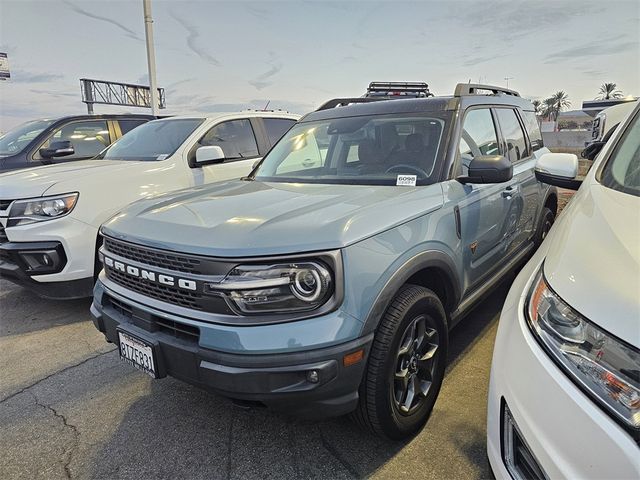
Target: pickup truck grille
point(4, 204)
point(3, 235)
point(156, 258)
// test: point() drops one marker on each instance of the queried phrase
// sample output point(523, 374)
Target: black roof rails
point(419, 88)
point(341, 102)
point(463, 89)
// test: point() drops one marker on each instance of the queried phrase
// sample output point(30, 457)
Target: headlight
point(286, 287)
point(607, 368)
point(40, 209)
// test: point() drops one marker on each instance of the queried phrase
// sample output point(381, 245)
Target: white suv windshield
point(155, 140)
point(14, 141)
point(369, 150)
point(622, 171)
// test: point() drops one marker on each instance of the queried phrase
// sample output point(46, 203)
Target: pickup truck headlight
point(40, 209)
point(285, 287)
point(599, 363)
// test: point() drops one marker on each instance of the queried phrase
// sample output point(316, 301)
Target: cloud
point(23, 76)
point(53, 93)
point(474, 60)
point(592, 49)
point(128, 32)
point(262, 80)
point(193, 40)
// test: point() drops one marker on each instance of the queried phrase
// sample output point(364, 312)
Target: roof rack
point(463, 89)
point(419, 89)
point(343, 102)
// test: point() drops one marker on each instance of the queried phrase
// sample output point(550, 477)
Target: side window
point(88, 137)
point(513, 134)
point(128, 125)
point(533, 129)
point(478, 136)
point(235, 137)
point(276, 128)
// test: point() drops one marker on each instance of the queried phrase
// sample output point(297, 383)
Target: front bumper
point(69, 243)
point(568, 435)
point(277, 380)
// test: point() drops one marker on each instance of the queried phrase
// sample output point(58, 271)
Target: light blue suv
point(326, 282)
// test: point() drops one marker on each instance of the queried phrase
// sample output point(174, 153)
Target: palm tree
point(557, 102)
point(537, 109)
point(607, 91)
point(548, 109)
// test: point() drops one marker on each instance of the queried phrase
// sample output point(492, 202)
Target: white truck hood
point(34, 182)
point(593, 260)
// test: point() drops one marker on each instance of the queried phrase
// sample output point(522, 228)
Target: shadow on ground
point(176, 429)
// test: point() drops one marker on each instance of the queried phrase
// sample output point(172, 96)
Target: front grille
point(3, 235)
point(158, 291)
point(4, 204)
point(170, 327)
point(156, 258)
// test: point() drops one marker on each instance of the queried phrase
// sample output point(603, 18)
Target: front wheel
point(406, 365)
point(546, 222)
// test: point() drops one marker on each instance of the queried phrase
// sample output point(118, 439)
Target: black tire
point(546, 222)
point(380, 408)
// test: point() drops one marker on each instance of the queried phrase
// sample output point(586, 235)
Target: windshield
point(365, 150)
point(16, 140)
point(155, 140)
point(622, 171)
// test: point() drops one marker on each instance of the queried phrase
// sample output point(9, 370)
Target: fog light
point(313, 376)
point(41, 261)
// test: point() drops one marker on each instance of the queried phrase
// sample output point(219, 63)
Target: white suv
point(49, 216)
point(564, 396)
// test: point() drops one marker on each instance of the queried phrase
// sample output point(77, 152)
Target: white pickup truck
point(50, 216)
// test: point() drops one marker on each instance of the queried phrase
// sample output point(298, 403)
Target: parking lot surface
point(69, 408)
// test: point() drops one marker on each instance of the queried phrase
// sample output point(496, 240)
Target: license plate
point(137, 353)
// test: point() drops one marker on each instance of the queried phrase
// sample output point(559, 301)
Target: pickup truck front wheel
point(406, 365)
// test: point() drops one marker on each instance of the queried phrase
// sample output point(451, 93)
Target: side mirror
point(558, 169)
point(209, 154)
point(60, 148)
point(488, 169)
point(592, 150)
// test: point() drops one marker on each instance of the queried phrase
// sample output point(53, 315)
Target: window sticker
point(406, 180)
point(162, 157)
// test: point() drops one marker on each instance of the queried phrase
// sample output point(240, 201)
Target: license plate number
point(137, 353)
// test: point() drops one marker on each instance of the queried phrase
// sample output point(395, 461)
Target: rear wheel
point(406, 365)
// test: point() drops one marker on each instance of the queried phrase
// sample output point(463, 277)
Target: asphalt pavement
point(69, 408)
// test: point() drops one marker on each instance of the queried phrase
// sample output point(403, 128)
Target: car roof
point(417, 105)
point(243, 114)
point(102, 116)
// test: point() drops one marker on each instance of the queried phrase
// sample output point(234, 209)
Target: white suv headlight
point(605, 367)
point(40, 209)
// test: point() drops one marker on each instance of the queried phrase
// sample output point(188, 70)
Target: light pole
point(507, 79)
point(151, 56)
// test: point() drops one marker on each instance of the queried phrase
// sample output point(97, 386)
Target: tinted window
point(478, 136)
point(368, 149)
point(14, 141)
point(533, 129)
point(127, 125)
point(513, 134)
point(88, 137)
point(155, 140)
point(622, 171)
point(276, 127)
point(235, 137)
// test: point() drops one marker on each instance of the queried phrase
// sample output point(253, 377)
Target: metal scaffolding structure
point(116, 93)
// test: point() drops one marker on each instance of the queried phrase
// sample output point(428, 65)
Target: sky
point(224, 56)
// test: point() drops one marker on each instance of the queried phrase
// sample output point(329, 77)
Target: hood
point(251, 218)
point(593, 261)
point(34, 182)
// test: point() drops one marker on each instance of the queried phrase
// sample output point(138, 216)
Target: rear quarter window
point(533, 130)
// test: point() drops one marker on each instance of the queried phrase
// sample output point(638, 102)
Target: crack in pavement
point(336, 454)
point(73, 428)
point(28, 387)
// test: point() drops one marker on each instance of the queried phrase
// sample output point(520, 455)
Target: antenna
point(268, 102)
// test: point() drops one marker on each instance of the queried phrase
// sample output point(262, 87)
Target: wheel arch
point(431, 269)
point(551, 200)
